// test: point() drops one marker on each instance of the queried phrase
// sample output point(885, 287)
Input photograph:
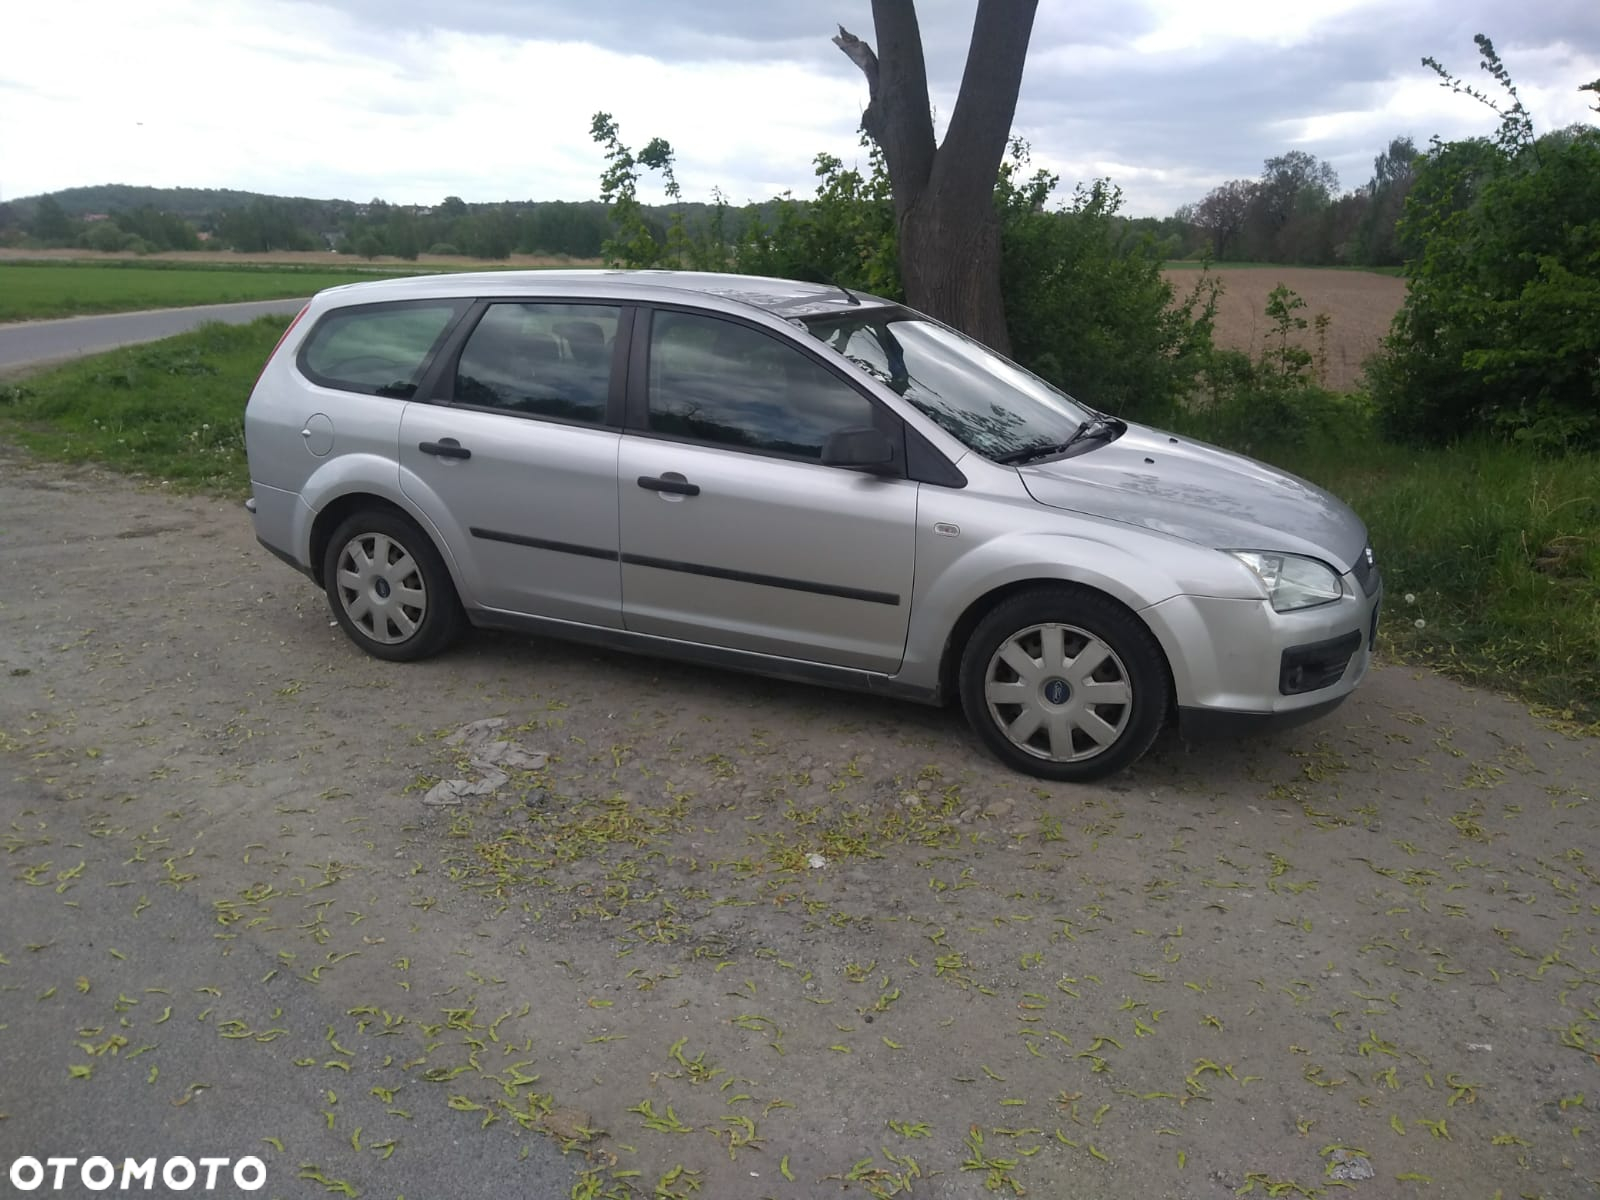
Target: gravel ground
point(738, 938)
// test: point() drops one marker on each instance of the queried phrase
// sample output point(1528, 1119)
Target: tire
point(388, 587)
point(1044, 708)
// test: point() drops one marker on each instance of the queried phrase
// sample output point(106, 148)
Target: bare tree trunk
point(944, 195)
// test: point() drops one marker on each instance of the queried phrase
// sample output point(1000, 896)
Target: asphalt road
point(34, 343)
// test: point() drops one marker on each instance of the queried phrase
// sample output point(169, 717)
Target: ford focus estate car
point(800, 481)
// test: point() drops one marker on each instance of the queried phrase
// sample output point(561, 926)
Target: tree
point(51, 224)
point(635, 244)
point(1223, 213)
point(1294, 180)
point(1393, 174)
point(1290, 202)
point(949, 231)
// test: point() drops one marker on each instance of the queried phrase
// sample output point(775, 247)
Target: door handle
point(676, 487)
point(445, 448)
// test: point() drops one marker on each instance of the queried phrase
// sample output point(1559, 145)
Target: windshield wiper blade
point(1095, 426)
point(1042, 450)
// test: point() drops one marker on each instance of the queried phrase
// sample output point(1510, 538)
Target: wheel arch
point(956, 641)
point(336, 510)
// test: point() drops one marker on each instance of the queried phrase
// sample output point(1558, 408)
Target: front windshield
point(976, 396)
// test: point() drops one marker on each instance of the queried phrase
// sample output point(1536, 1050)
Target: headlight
point(1292, 581)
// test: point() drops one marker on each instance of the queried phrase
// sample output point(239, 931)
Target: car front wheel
point(388, 587)
point(1064, 683)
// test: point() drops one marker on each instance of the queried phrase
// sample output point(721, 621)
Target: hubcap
point(380, 587)
point(1058, 693)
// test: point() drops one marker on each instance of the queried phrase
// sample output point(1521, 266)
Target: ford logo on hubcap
point(1057, 690)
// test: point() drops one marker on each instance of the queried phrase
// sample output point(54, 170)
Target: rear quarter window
point(377, 349)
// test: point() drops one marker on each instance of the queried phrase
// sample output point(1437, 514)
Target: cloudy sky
point(491, 99)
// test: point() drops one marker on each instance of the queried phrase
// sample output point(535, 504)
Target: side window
point(545, 360)
point(380, 349)
point(730, 385)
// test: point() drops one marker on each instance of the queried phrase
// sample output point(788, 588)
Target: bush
point(1275, 402)
point(845, 235)
point(444, 250)
point(107, 237)
point(1091, 313)
point(1500, 331)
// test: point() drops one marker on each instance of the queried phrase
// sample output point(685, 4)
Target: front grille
point(1366, 571)
point(1317, 664)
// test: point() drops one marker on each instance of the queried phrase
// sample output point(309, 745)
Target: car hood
point(1197, 492)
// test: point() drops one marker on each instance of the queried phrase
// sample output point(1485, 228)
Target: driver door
point(734, 534)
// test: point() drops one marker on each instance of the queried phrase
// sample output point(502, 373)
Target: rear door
point(517, 462)
point(733, 532)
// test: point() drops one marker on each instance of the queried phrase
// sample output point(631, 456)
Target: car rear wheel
point(388, 587)
point(1064, 683)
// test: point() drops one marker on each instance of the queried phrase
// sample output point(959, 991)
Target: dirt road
point(1364, 952)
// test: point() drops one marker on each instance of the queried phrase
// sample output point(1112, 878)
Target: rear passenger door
point(515, 460)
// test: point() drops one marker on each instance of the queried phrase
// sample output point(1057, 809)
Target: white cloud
point(1209, 29)
point(312, 99)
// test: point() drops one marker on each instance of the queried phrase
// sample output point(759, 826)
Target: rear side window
point(541, 360)
point(379, 349)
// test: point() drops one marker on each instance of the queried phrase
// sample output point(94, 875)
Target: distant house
point(95, 217)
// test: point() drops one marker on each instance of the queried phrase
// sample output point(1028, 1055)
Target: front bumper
point(1238, 664)
point(1207, 724)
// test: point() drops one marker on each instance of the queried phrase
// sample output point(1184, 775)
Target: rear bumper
point(274, 514)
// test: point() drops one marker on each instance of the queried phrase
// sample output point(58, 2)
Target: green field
point(31, 291)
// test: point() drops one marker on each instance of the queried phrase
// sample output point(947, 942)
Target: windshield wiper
point(1095, 426)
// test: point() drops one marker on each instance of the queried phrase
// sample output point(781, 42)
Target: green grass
point(37, 290)
point(1501, 550)
point(172, 410)
point(1500, 547)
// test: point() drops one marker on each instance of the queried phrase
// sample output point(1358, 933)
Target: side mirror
point(861, 449)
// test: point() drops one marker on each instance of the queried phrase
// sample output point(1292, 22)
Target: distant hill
point(202, 206)
point(192, 204)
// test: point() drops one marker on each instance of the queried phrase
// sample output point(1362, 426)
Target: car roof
point(786, 298)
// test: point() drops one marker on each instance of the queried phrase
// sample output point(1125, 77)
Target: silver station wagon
point(800, 481)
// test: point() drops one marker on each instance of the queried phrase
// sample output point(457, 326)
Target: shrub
point(107, 237)
point(1275, 402)
point(1089, 312)
point(1500, 331)
point(844, 235)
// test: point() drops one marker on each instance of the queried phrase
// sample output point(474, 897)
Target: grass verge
point(1491, 560)
point(171, 410)
point(1499, 548)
